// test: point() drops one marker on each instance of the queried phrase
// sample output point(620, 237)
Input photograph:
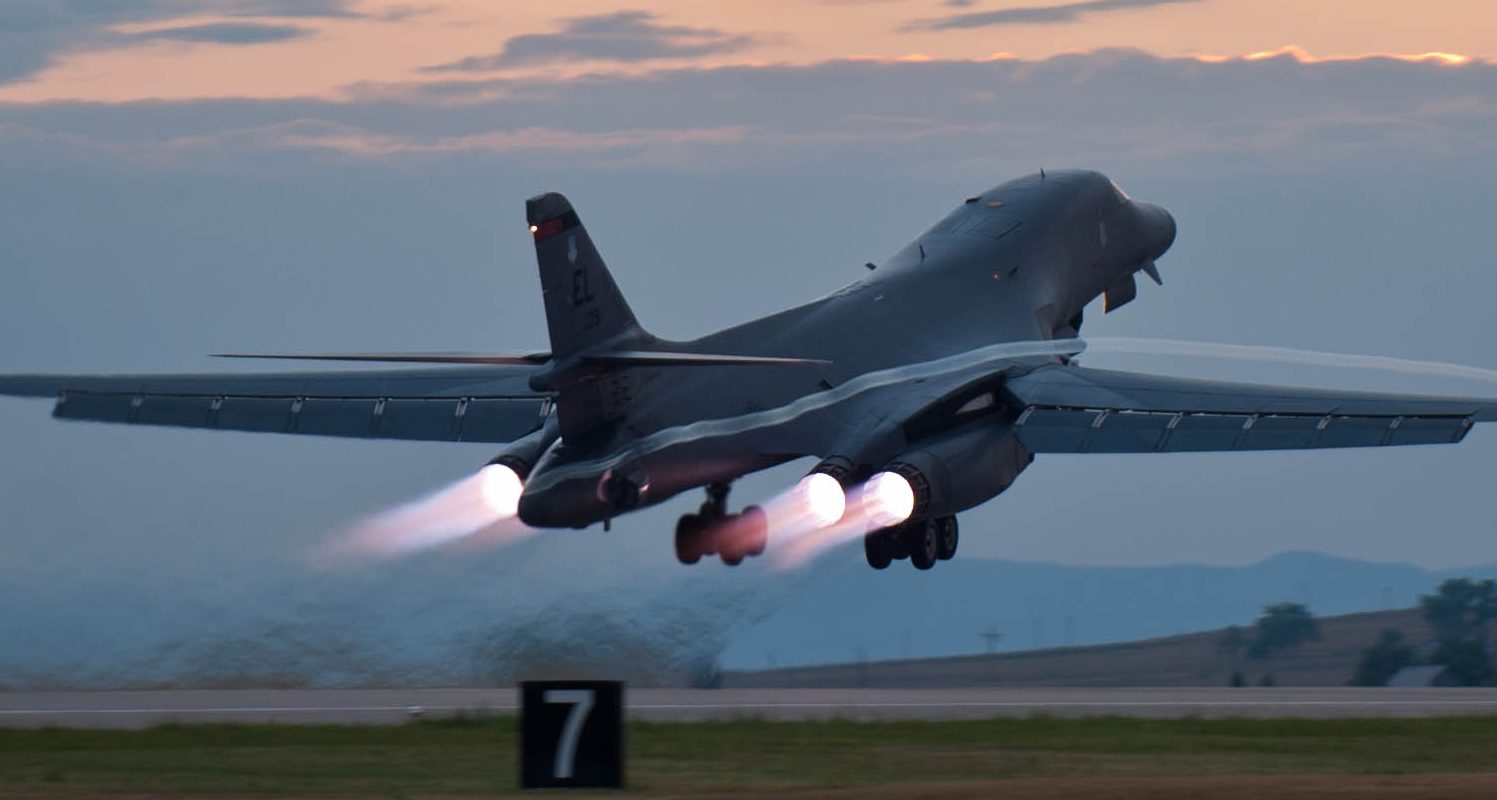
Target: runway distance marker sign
point(571, 734)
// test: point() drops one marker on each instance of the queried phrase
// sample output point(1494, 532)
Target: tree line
point(1460, 614)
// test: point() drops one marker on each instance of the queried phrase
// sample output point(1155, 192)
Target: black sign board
point(571, 734)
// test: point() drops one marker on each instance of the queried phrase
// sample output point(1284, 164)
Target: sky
point(179, 178)
point(153, 49)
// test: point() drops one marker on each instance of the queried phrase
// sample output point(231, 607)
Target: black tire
point(947, 538)
point(897, 542)
point(732, 559)
point(688, 542)
point(921, 536)
point(878, 549)
point(755, 526)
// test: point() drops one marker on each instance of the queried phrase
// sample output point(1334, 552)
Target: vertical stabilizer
point(584, 307)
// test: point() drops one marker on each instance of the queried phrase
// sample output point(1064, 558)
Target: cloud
point(1034, 15)
point(55, 15)
point(623, 36)
point(282, 8)
point(226, 33)
point(33, 33)
point(1001, 116)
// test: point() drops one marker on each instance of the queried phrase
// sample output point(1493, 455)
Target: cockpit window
point(1119, 190)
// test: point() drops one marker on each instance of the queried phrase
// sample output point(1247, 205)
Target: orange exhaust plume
point(480, 506)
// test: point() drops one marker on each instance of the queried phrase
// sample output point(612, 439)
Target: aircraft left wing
point(1072, 409)
point(467, 404)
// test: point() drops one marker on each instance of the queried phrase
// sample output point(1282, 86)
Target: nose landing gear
point(713, 531)
point(922, 541)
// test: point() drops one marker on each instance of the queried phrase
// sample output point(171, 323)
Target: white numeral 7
point(581, 701)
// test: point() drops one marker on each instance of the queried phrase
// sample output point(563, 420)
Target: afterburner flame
point(479, 509)
point(822, 498)
point(888, 499)
point(794, 548)
point(501, 488)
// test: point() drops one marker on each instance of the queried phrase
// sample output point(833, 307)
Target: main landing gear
point(713, 531)
point(922, 541)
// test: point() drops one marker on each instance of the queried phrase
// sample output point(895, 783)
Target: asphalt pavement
point(137, 709)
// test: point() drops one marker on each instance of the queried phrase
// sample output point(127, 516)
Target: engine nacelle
point(948, 473)
point(522, 454)
point(502, 480)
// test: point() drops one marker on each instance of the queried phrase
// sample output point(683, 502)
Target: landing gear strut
point(922, 541)
point(713, 531)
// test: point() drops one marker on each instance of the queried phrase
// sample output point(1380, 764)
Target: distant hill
point(842, 609)
point(1189, 660)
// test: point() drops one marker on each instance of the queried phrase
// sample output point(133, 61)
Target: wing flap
point(457, 382)
point(469, 404)
point(1084, 387)
point(1080, 410)
point(1077, 430)
point(418, 419)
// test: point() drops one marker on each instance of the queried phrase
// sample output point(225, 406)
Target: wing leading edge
point(1073, 409)
point(471, 404)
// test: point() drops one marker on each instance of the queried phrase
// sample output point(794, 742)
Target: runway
point(118, 709)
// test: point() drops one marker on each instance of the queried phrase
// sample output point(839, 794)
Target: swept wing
point(1072, 409)
point(469, 404)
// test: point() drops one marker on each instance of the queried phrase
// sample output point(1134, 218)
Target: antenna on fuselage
point(1042, 173)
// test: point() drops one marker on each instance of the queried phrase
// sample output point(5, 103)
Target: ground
point(1012, 758)
point(1192, 659)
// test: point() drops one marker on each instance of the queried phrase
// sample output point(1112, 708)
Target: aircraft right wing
point(467, 404)
point(1072, 409)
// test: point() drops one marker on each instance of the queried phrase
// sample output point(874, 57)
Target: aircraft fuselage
point(1017, 263)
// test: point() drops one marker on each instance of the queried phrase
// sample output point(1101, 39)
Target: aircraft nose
point(1160, 228)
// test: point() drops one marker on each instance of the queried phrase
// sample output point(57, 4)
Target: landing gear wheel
point(946, 538)
point(755, 526)
point(688, 539)
point(898, 541)
point(732, 559)
point(921, 536)
point(877, 548)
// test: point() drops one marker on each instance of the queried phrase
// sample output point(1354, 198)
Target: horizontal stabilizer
point(612, 358)
point(649, 358)
point(519, 359)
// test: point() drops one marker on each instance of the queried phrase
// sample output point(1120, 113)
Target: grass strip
point(477, 756)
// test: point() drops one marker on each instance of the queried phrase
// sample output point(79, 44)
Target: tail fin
point(597, 347)
point(584, 307)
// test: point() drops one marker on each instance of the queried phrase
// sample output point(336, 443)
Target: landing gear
point(688, 531)
point(713, 531)
point(923, 545)
point(946, 538)
point(923, 542)
point(878, 548)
